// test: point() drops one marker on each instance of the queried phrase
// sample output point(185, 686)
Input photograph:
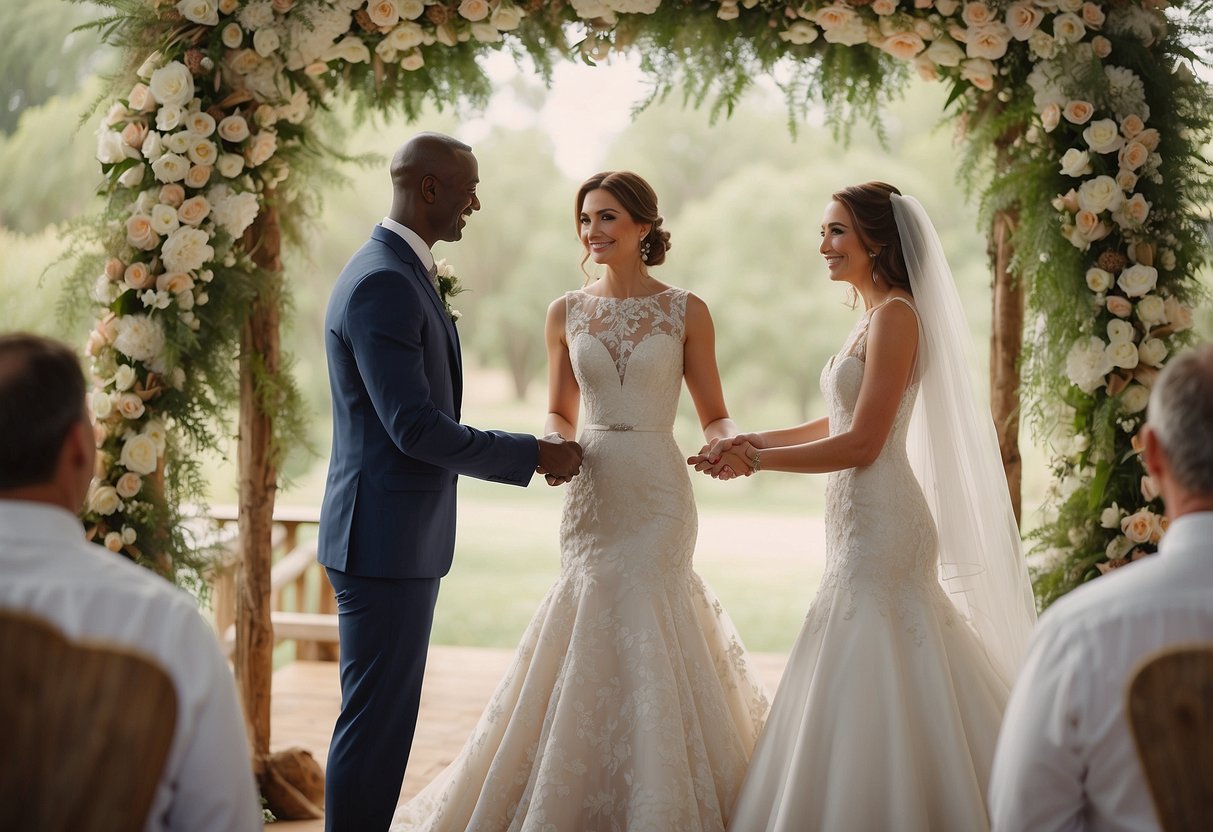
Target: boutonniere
point(448, 287)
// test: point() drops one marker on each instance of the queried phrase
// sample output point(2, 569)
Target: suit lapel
point(412, 264)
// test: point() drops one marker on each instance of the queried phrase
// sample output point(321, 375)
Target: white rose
point(1152, 310)
point(111, 148)
point(410, 9)
point(186, 249)
point(129, 535)
point(1110, 517)
point(849, 34)
point(150, 65)
point(261, 148)
point(230, 165)
point(164, 219)
point(170, 167)
point(1100, 194)
point(233, 129)
point(1137, 280)
point(204, 12)
point(155, 431)
point(1103, 136)
point(203, 152)
point(102, 404)
point(1134, 398)
point(1153, 352)
point(1076, 162)
point(153, 146)
point(474, 10)
point(404, 37)
point(1098, 280)
point(169, 117)
point(172, 85)
point(507, 17)
point(124, 377)
point(1119, 330)
point(104, 500)
point(413, 61)
point(180, 142)
point(139, 454)
point(1123, 354)
point(800, 32)
point(132, 176)
point(349, 49)
point(266, 41)
point(945, 52)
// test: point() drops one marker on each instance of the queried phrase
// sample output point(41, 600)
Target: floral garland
point(211, 126)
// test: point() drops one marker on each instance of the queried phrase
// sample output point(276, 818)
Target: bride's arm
point(701, 373)
point(891, 350)
point(564, 395)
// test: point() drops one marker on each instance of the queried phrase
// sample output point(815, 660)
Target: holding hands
point(729, 457)
point(559, 459)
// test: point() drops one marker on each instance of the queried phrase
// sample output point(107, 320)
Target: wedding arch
point(1082, 121)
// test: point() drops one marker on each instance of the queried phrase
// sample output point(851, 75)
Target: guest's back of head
point(1180, 416)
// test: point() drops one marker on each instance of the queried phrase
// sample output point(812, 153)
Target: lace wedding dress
point(630, 704)
point(889, 708)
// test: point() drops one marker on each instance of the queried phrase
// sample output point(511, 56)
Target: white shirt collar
point(1193, 532)
point(29, 520)
point(410, 236)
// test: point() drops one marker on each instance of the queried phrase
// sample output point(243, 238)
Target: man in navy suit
point(387, 524)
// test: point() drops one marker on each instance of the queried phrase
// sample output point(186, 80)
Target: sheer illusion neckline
point(631, 297)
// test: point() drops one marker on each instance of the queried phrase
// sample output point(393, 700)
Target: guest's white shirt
point(410, 236)
point(1066, 758)
point(48, 570)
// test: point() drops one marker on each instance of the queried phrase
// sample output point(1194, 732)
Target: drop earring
point(644, 251)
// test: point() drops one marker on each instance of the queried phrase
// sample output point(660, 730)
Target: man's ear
point(429, 188)
point(1153, 455)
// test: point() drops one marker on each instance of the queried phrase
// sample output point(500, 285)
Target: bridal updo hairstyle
point(871, 207)
point(637, 198)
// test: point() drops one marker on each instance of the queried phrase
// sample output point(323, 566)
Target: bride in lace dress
point(892, 697)
point(630, 704)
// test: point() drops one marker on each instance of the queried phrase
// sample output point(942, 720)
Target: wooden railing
point(302, 607)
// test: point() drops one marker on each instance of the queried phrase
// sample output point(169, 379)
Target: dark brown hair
point(41, 397)
point(637, 198)
point(871, 207)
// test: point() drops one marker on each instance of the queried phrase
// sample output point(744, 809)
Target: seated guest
point(1066, 757)
point(87, 592)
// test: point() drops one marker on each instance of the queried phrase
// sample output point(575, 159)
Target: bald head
point(434, 180)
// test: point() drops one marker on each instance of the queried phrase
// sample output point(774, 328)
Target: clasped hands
point(728, 457)
point(559, 459)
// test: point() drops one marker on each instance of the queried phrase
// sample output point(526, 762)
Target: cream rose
point(1177, 314)
point(1098, 280)
point(180, 142)
point(200, 123)
point(383, 13)
point(172, 195)
point(141, 99)
point(1103, 136)
point(979, 72)
point(404, 37)
point(174, 283)
point(1118, 306)
point(154, 430)
point(410, 9)
point(261, 148)
point(194, 210)
point(1126, 179)
point(169, 117)
point(233, 129)
point(203, 152)
point(1050, 117)
point(1148, 137)
point(1134, 398)
point(198, 175)
point(1101, 46)
point(132, 177)
point(172, 84)
point(474, 10)
point(1068, 28)
point(1088, 224)
point(1087, 363)
point(140, 233)
point(1093, 15)
point(1075, 162)
point(1153, 352)
point(412, 61)
point(1109, 518)
point(232, 35)
point(129, 406)
point(801, 32)
point(989, 40)
point(925, 69)
point(1078, 112)
point(976, 14)
point(1023, 19)
point(124, 377)
point(508, 17)
point(203, 12)
point(101, 404)
point(349, 49)
point(903, 46)
point(1137, 280)
point(1133, 212)
point(139, 454)
point(104, 500)
point(186, 249)
point(113, 542)
point(1138, 527)
point(266, 41)
point(153, 146)
point(1152, 310)
point(945, 52)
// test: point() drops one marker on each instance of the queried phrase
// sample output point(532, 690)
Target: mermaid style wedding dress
point(889, 707)
point(630, 704)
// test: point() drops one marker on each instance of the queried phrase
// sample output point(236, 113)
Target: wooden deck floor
point(458, 683)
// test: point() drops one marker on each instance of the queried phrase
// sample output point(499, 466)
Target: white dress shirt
point(1066, 758)
point(48, 570)
point(410, 236)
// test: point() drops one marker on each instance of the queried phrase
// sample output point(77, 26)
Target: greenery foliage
point(1081, 119)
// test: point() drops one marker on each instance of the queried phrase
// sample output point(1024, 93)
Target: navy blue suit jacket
point(398, 448)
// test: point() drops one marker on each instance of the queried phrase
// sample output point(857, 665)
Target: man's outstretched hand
point(559, 458)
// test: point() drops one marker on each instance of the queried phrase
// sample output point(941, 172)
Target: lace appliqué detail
point(623, 324)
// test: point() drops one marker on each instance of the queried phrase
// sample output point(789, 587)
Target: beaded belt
point(622, 427)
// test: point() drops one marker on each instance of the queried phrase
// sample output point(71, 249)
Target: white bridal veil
point(954, 452)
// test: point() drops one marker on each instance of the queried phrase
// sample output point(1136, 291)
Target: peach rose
point(138, 276)
point(140, 234)
point(198, 176)
point(1101, 46)
point(194, 210)
point(134, 133)
point(130, 406)
point(1119, 306)
point(1138, 527)
point(233, 129)
point(1050, 117)
point(115, 269)
point(903, 46)
point(1133, 155)
point(1078, 112)
point(172, 194)
point(1148, 137)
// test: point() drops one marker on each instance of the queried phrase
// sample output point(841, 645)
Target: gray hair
point(1181, 414)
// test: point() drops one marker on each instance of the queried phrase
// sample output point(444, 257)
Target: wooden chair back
point(85, 730)
point(1170, 708)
